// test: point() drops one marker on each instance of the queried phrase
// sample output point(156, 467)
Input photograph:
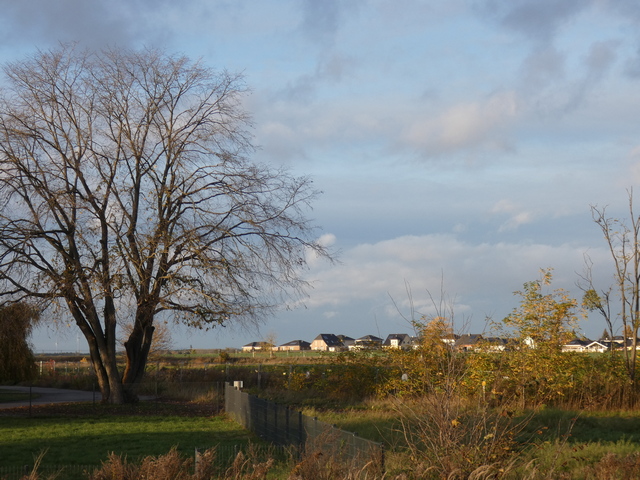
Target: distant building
point(599, 346)
point(468, 341)
point(450, 339)
point(577, 345)
point(294, 346)
point(397, 340)
point(367, 342)
point(347, 342)
point(253, 346)
point(327, 342)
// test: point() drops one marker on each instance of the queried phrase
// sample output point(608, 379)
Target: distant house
point(620, 341)
point(628, 344)
point(397, 340)
point(496, 344)
point(253, 346)
point(576, 345)
point(347, 342)
point(468, 342)
point(450, 339)
point(598, 346)
point(327, 342)
point(294, 346)
point(367, 342)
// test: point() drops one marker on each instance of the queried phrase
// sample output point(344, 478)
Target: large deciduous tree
point(126, 191)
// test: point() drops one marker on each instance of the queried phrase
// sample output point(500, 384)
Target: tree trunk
point(137, 349)
point(107, 374)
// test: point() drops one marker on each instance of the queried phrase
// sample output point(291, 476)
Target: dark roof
point(496, 340)
point(401, 337)
point(257, 344)
point(369, 338)
point(329, 339)
point(296, 343)
point(579, 342)
point(468, 339)
point(345, 339)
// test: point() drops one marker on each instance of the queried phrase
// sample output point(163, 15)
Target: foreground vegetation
point(148, 442)
point(529, 411)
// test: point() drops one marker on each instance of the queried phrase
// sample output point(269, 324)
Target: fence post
point(265, 418)
point(275, 420)
point(300, 430)
point(287, 433)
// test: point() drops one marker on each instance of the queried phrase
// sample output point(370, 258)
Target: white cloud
point(465, 125)
point(517, 215)
point(327, 240)
point(479, 277)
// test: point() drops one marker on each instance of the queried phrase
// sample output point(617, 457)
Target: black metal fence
point(281, 425)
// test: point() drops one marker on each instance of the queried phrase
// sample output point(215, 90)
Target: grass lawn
point(87, 440)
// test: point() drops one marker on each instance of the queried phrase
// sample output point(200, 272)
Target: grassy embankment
point(553, 444)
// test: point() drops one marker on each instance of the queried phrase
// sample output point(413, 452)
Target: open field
point(86, 435)
point(541, 431)
point(560, 444)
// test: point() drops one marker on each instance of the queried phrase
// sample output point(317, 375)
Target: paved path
point(46, 396)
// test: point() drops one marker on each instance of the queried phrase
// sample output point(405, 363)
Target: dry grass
point(173, 466)
point(324, 460)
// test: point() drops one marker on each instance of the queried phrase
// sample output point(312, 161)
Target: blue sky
point(459, 144)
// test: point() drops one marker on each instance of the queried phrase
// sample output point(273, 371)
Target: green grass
point(584, 427)
point(561, 444)
point(88, 440)
point(377, 425)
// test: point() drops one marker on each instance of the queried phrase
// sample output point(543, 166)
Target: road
point(47, 396)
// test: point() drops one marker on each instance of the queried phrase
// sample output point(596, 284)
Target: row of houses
point(328, 342)
point(584, 345)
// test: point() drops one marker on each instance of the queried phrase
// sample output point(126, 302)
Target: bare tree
point(623, 241)
point(161, 344)
point(125, 187)
point(595, 301)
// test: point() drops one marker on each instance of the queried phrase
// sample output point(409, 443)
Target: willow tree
point(17, 362)
point(127, 192)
